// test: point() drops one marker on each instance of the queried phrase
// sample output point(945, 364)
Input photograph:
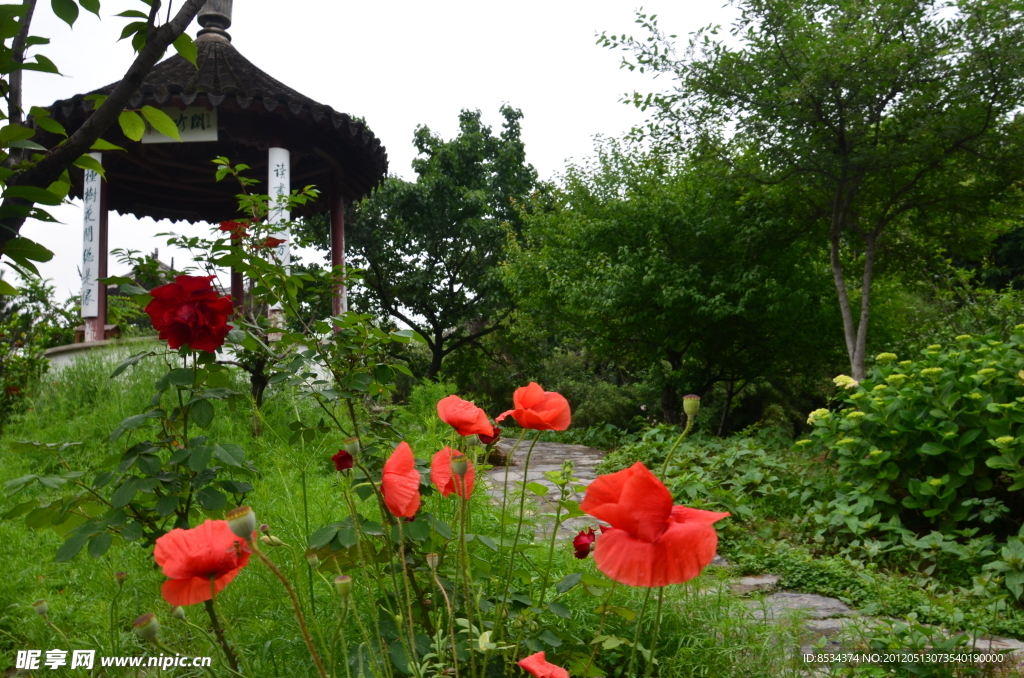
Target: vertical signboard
point(91, 188)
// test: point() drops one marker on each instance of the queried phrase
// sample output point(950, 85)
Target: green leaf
point(133, 360)
point(346, 536)
point(7, 288)
point(537, 489)
point(560, 609)
point(202, 413)
point(88, 162)
point(165, 506)
point(200, 458)
point(101, 145)
point(181, 376)
point(124, 494)
point(72, 546)
point(186, 47)
point(323, 536)
point(33, 194)
point(161, 122)
point(229, 453)
point(91, 6)
point(131, 532)
point(933, 448)
point(132, 125)
point(21, 250)
point(9, 133)
point(133, 14)
point(66, 10)
point(570, 580)
point(99, 544)
point(211, 499)
point(51, 125)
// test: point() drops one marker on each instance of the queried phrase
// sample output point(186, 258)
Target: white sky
point(398, 64)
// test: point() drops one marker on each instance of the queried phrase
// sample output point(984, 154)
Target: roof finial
point(215, 18)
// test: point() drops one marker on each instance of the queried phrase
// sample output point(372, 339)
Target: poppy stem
point(668, 457)
point(408, 598)
point(295, 605)
point(451, 623)
point(600, 627)
point(218, 631)
point(463, 559)
point(657, 628)
point(636, 635)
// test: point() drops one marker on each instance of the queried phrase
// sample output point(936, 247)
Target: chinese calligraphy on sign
point(279, 181)
point(195, 123)
point(91, 188)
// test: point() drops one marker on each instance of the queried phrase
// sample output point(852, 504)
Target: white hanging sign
point(279, 182)
point(195, 123)
point(91, 188)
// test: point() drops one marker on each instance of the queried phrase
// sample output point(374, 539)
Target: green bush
point(935, 443)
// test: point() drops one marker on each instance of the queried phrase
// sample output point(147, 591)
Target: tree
point(33, 174)
point(431, 248)
point(662, 267)
point(878, 115)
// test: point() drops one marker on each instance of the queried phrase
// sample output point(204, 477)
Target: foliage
point(659, 267)
point(431, 248)
point(868, 115)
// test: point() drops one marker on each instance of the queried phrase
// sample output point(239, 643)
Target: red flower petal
point(677, 556)
point(632, 499)
point(210, 550)
point(446, 481)
point(343, 460)
point(466, 418)
point(583, 543)
point(535, 665)
point(538, 409)
point(400, 483)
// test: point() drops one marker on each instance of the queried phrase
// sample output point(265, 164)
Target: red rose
point(235, 228)
point(272, 242)
point(343, 460)
point(583, 543)
point(493, 438)
point(188, 311)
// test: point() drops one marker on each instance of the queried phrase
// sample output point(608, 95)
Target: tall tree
point(878, 115)
point(664, 268)
point(431, 248)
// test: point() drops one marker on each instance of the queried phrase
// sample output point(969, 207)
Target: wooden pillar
point(340, 302)
point(237, 290)
point(94, 253)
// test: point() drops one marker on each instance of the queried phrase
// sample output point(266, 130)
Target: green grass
point(702, 634)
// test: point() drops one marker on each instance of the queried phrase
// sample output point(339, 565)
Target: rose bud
point(583, 543)
point(343, 460)
point(491, 439)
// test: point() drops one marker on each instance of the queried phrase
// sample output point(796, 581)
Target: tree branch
point(52, 166)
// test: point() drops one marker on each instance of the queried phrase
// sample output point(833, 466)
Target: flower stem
point(657, 628)
point(218, 631)
point(600, 627)
point(451, 623)
point(636, 635)
point(408, 597)
point(296, 606)
point(668, 457)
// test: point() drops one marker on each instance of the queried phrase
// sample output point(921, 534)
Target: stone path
point(821, 617)
point(546, 457)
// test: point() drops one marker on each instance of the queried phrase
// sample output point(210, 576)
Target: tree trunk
point(729, 393)
point(436, 355)
point(670, 401)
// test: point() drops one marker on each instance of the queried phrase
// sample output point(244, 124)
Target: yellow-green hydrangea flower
point(804, 442)
point(896, 379)
point(1018, 327)
point(967, 337)
point(858, 395)
point(856, 414)
point(987, 372)
point(820, 413)
point(846, 441)
point(935, 482)
point(974, 395)
point(935, 347)
point(875, 452)
point(931, 371)
point(880, 387)
point(844, 381)
point(906, 362)
point(885, 357)
point(1004, 440)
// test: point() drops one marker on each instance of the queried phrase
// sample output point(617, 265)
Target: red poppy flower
point(466, 418)
point(539, 409)
point(272, 242)
point(650, 542)
point(188, 311)
point(583, 542)
point(488, 439)
point(191, 558)
point(343, 460)
point(235, 228)
point(535, 665)
point(445, 480)
point(400, 483)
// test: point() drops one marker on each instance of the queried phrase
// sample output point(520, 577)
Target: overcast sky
point(398, 65)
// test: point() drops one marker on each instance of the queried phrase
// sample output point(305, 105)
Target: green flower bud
point(41, 607)
point(313, 560)
point(119, 577)
point(432, 561)
point(147, 626)
point(178, 612)
point(343, 583)
point(242, 522)
point(351, 446)
point(271, 540)
point(459, 464)
point(691, 405)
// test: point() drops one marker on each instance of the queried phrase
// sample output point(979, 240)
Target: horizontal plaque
point(195, 123)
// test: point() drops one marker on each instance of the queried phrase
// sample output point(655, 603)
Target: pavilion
point(224, 107)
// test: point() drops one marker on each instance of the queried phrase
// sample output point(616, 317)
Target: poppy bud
point(147, 626)
point(41, 607)
point(178, 612)
point(271, 540)
point(264, 528)
point(691, 404)
point(313, 560)
point(242, 522)
point(432, 561)
point(459, 464)
point(343, 583)
point(351, 446)
point(119, 577)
